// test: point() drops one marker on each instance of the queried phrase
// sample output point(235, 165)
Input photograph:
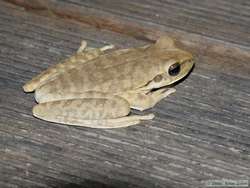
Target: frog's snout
point(186, 67)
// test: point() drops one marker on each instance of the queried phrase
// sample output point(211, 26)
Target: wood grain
point(200, 133)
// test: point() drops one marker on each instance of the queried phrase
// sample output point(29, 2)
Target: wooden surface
point(200, 133)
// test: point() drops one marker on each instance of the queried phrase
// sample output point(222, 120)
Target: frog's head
point(175, 63)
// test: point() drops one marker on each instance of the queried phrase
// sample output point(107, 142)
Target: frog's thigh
point(53, 71)
point(83, 55)
point(89, 112)
point(140, 101)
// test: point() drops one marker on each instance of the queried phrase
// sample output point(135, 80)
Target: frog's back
point(114, 73)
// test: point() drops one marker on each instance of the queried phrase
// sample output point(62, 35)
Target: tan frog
point(96, 88)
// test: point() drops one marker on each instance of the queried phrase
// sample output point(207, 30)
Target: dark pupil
point(174, 69)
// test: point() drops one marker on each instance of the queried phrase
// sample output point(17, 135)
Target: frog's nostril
point(158, 78)
point(174, 69)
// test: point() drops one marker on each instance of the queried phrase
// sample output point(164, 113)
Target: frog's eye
point(174, 69)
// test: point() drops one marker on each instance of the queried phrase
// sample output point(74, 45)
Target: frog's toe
point(82, 47)
point(107, 47)
point(162, 93)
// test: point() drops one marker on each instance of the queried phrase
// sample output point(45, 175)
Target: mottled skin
point(95, 88)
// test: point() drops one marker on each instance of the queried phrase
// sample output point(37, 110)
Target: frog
point(98, 87)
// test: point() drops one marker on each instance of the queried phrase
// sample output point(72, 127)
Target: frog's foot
point(123, 121)
point(141, 101)
point(84, 47)
point(107, 47)
point(161, 93)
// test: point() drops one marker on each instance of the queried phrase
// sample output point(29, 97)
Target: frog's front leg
point(90, 112)
point(143, 101)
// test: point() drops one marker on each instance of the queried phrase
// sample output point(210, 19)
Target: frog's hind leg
point(124, 121)
point(83, 55)
point(84, 48)
point(101, 123)
point(89, 112)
